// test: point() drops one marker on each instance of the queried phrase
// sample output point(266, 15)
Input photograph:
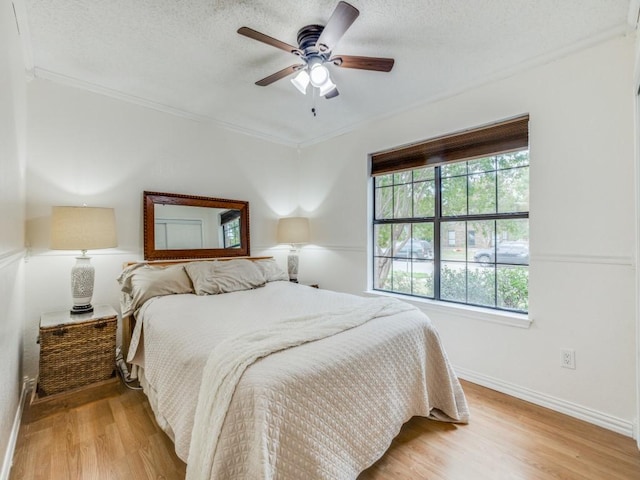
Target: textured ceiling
point(186, 57)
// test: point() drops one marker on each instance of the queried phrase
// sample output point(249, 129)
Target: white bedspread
point(325, 409)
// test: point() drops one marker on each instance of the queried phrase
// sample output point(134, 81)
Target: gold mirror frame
point(157, 198)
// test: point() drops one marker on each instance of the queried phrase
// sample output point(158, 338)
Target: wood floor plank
point(115, 436)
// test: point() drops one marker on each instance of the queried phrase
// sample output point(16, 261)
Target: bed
point(255, 377)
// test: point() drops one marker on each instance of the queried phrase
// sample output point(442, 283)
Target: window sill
point(511, 319)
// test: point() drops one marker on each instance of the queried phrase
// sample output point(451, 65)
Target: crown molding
point(476, 83)
point(20, 12)
point(36, 72)
point(69, 81)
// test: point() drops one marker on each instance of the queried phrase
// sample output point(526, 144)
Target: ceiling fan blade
point(278, 75)
point(378, 64)
point(339, 22)
point(333, 93)
point(261, 37)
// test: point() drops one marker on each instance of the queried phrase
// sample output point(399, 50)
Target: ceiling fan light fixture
point(301, 81)
point(318, 75)
point(327, 87)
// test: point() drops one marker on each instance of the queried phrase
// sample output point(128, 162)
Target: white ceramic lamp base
point(292, 267)
point(82, 277)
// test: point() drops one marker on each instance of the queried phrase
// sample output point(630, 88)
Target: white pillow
point(212, 278)
point(271, 270)
point(141, 282)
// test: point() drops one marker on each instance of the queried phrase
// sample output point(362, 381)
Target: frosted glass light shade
point(301, 81)
point(327, 87)
point(318, 75)
point(293, 230)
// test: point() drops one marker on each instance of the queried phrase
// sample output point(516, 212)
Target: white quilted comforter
point(326, 409)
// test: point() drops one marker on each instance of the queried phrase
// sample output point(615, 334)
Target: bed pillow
point(141, 282)
point(271, 270)
point(212, 278)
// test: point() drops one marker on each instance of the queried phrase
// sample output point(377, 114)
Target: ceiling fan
point(315, 49)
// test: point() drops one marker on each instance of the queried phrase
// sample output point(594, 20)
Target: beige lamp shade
point(83, 228)
point(293, 230)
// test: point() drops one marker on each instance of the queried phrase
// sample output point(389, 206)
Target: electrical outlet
point(568, 358)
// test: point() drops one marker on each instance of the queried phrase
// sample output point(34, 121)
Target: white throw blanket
point(228, 361)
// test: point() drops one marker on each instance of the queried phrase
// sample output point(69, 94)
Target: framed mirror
point(186, 226)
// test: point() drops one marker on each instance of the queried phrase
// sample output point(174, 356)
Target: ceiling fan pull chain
point(314, 96)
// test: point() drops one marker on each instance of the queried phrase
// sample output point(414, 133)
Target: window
point(230, 221)
point(453, 227)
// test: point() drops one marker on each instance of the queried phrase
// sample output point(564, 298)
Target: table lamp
point(294, 231)
point(82, 228)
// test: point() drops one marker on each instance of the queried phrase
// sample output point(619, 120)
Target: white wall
point(87, 148)
point(582, 223)
point(12, 168)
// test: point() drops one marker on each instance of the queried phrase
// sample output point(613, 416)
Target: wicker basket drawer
point(76, 353)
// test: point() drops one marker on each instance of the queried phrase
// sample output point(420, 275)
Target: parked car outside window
point(414, 248)
point(516, 253)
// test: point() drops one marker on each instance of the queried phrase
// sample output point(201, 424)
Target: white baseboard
point(601, 419)
point(27, 386)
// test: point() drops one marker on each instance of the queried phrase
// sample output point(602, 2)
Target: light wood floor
point(116, 437)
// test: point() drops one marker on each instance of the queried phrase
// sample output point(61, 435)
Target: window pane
point(486, 164)
point(481, 285)
point(482, 250)
point(454, 196)
point(382, 240)
point(513, 288)
point(453, 241)
point(382, 273)
point(513, 159)
point(513, 190)
point(482, 193)
point(426, 173)
point(384, 203)
point(422, 277)
point(424, 199)
point(451, 169)
point(453, 282)
point(403, 201)
point(423, 236)
point(401, 276)
point(513, 241)
point(401, 232)
point(384, 180)
point(402, 177)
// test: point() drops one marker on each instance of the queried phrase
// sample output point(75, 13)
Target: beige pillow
point(212, 278)
point(271, 270)
point(148, 282)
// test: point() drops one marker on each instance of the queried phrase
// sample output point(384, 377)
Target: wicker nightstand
point(76, 350)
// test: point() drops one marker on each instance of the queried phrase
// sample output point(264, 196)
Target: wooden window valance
point(492, 139)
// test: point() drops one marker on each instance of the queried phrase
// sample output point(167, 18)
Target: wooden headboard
point(129, 321)
point(164, 263)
